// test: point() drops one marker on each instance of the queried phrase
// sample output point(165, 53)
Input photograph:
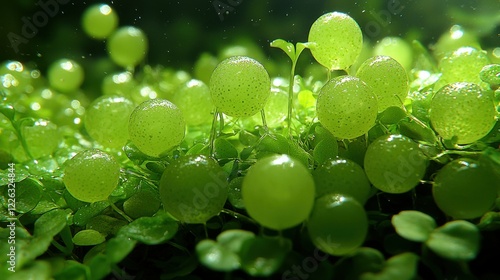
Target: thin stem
point(67, 238)
point(20, 137)
point(238, 216)
point(60, 247)
point(180, 247)
point(213, 133)
point(328, 74)
point(457, 152)
point(290, 98)
point(117, 210)
point(264, 123)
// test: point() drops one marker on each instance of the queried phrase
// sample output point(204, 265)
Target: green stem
point(457, 152)
point(19, 135)
point(67, 238)
point(238, 216)
point(117, 210)
point(60, 247)
point(290, 98)
point(213, 133)
point(180, 247)
point(264, 123)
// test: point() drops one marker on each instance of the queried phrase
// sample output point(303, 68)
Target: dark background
point(178, 31)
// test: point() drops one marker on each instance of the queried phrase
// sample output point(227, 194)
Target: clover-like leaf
point(401, 267)
point(151, 230)
point(8, 111)
point(413, 225)
point(35, 270)
point(234, 239)
point(455, 240)
point(117, 248)
point(27, 195)
point(51, 223)
point(302, 46)
point(262, 256)
point(87, 212)
point(363, 260)
point(490, 220)
point(216, 256)
point(88, 237)
point(287, 47)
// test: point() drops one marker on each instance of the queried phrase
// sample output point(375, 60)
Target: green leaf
point(364, 259)
point(490, 221)
point(262, 256)
point(179, 266)
point(326, 149)
point(38, 270)
point(87, 212)
point(413, 225)
point(27, 195)
point(287, 47)
point(20, 174)
point(29, 249)
point(51, 223)
point(118, 248)
point(234, 239)
point(150, 230)
point(417, 132)
point(246, 152)
point(105, 224)
point(217, 257)
point(88, 237)
point(224, 149)
point(301, 46)
point(73, 270)
point(456, 240)
point(401, 267)
point(223, 254)
point(8, 111)
point(100, 267)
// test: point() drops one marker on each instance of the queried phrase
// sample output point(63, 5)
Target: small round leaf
point(413, 225)
point(150, 230)
point(456, 240)
point(88, 237)
point(217, 257)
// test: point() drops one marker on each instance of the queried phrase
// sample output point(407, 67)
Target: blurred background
point(179, 31)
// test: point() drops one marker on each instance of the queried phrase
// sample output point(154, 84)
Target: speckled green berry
point(91, 175)
point(464, 111)
point(240, 86)
point(156, 126)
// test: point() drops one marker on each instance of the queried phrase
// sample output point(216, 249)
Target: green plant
point(369, 175)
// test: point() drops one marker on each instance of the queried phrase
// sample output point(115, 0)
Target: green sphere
point(394, 163)
point(91, 175)
point(99, 21)
point(347, 107)
point(240, 86)
point(278, 192)
point(106, 120)
point(193, 189)
point(65, 75)
point(464, 189)
point(464, 111)
point(156, 126)
point(338, 40)
point(127, 46)
point(338, 224)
